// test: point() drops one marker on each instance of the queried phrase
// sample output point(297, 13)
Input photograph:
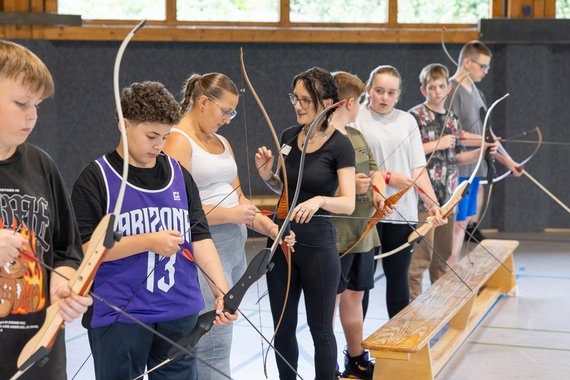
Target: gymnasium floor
point(524, 337)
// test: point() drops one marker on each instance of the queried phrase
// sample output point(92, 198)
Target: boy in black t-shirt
point(37, 224)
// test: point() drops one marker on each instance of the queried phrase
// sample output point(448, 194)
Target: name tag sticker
point(285, 149)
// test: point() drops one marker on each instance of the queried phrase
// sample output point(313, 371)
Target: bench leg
point(461, 319)
point(502, 279)
point(403, 366)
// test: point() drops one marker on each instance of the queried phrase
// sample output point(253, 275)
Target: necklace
point(320, 136)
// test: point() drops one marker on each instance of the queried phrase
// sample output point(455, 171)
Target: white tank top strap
point(213, 173)
point(194, 144)
point(178, 130)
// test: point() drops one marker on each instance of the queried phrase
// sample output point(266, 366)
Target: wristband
point(388, 175)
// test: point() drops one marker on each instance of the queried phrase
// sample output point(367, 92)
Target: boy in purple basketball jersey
point(150, 272)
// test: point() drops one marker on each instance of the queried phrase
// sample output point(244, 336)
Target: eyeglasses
point(226, 114)
point(304, 102)
point(483, 67)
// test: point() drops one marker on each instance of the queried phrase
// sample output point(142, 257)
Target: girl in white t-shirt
point(394, 137)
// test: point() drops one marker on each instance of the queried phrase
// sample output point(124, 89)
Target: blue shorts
point(468, 205)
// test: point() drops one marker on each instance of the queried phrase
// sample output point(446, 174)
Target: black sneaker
point(358, 367)
point(477, 235)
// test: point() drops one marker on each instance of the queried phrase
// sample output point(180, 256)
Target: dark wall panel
point(78, 124)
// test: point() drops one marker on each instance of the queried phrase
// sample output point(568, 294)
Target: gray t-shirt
point(396, 143)
point(467, 106)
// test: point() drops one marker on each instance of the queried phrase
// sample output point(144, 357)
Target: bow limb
point(534, 180)
point(491, 173)
point(367, 228)
point(445, 47)
point(283, 205)
point(446, 209)
point(374, 218)
point(408, 243)
point(522, 164)
point(420, 232)
point(490, 162)
point(486, 133)
point(39, 346)
point(103, 239)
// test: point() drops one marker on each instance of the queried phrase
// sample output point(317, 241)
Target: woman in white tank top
point(209, 103)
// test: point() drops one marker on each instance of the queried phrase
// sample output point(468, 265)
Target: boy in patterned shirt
point(442, 170)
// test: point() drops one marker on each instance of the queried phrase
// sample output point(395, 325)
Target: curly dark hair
point(321, 85)
point(149, 102)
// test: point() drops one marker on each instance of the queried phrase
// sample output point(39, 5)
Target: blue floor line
point(543, 276)
point(433, 341)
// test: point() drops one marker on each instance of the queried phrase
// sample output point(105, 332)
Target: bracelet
point(388, 175)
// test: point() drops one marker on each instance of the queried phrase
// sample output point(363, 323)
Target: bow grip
point(490, 159)
point(203, 325)
point(258, 266)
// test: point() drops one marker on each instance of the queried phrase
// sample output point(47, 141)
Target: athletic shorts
point(357, 271)
point(468, 205)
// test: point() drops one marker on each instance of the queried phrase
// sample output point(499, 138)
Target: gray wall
point(78, 124)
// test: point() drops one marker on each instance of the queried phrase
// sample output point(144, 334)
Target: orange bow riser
point(374, 219)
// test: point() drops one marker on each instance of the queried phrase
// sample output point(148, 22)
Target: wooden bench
point(402, 346)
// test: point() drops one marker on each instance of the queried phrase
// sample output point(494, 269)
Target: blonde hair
point(349, 85)
point(19, 63)
point(473, 49)
point(383, 69)
point(433, 71)
point(212, 85)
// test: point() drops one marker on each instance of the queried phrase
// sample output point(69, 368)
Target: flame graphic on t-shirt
point(22, 288)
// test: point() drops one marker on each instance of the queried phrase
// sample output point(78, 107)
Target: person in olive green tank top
point(357, 265)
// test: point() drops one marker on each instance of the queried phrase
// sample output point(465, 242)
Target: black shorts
point(357, 271)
